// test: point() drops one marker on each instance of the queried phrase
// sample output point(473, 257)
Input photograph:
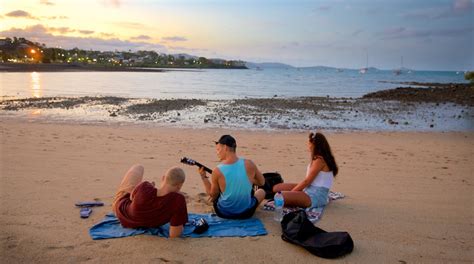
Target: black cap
point(227, 140)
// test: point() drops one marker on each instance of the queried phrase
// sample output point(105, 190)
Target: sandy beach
point(409, 194)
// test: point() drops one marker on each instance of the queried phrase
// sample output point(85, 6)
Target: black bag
point(271, 179)
point(298, 230)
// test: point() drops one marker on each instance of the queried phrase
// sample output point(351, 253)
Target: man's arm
point(175, 231)
point(212, 186)
point(258, 176)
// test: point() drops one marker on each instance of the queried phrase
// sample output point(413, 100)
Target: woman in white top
point(313, 190)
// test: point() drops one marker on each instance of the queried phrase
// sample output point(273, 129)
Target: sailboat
point(399, 71)
point(366, 69)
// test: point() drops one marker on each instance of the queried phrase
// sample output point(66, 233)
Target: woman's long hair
point(322, 148)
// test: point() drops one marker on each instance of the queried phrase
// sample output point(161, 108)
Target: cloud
point(181, 48)
point(42, 34)
point(132, 25)
point(55, 17)
point(322, 8)
point(391, 31)
point(404, 33)
point(62, 30)
point(65, 30)
point(46, 2)
point(20, 14)
point(141, 37)
point(108, 35)
point(357, 32)
point(174, 39)
point(290, 45)
point(86, 32)
point(462, 5)
point(457, 8)
point(113, 3)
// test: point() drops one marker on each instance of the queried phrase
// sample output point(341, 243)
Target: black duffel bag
point(271, 179)
point(297, 229)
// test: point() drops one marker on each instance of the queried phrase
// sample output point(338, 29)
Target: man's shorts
point(243, 215)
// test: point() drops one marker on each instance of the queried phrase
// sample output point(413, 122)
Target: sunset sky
point(429, 34)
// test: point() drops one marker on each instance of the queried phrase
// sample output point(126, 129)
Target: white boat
point(399, 71)
point(366, 69)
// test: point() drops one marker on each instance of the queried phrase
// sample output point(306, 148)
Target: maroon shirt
point(149, 210)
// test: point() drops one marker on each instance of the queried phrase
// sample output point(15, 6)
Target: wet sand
point(401, 109)
point(409, 195)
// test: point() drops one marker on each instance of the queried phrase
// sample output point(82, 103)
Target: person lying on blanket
point(138, 203)
point(230, 186)
point(313, 190)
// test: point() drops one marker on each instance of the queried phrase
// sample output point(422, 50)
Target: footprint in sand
point(186, 196)
point(203, 198)
point(164, 260)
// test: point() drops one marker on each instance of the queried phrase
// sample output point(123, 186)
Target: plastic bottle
point(279, 202)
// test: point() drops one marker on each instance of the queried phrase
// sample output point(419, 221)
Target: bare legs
point(292, 198)
point(132, 178)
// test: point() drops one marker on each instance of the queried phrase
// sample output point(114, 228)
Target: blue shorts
point(318, 195)
point(247, 213)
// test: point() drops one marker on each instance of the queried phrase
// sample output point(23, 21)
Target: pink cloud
point(113, 3)
point(141, 37)
point(174, 39)
point(46, 2)
point(20, 14)
point(62, 30)
point(462, 5)
point(86, 32)
point(42, 34)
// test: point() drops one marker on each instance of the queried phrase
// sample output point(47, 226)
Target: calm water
point(211, 84)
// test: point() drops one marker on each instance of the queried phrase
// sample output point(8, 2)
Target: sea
point(213, 83)
point(225, 84)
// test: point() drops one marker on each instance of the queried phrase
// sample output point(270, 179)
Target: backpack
point(271, 179)
point(298, 230)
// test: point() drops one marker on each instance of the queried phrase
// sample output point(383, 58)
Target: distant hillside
point(185, 56)
point(267, 65)
point(320, 68)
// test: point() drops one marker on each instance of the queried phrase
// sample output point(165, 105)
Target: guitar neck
point(202, 166)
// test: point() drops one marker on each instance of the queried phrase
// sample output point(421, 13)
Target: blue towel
point(110, 227)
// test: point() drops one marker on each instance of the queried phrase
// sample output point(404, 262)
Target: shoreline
point(298, 113)
point(78, 67)
point(394, 214)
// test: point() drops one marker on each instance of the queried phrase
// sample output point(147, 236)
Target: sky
point(428, 34)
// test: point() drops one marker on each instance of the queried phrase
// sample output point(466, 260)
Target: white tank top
point(323, 179)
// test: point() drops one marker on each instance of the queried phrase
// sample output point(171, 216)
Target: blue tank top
point(237, 195)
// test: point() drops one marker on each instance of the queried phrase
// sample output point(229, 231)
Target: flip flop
point(89, 204)
point(85, 212)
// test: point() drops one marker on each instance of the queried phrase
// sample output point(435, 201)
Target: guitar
point(192, 162)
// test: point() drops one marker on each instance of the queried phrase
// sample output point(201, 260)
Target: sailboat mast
point(367, 61)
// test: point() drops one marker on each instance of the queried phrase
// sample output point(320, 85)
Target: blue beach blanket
point(110, 227)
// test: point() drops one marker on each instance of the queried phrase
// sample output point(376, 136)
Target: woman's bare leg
point(284, 187)
point(296, 198)
point(132, 178)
